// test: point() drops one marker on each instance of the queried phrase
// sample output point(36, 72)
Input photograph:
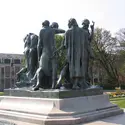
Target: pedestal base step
point(69, 111)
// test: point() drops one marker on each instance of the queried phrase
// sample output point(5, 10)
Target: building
point(10, 64)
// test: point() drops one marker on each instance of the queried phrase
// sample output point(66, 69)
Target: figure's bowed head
point(72, 22)
point(46, 23)
point(86, 23)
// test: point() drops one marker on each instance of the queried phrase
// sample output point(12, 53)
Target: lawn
point(1, 93)
point(119, 101)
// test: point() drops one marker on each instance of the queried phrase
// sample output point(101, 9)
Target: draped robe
point(76, 43)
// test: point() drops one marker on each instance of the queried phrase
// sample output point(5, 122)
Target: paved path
point(115, 120)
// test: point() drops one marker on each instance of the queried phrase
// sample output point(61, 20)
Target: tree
point(104, 46)
point(120, 35)
point(61, 54)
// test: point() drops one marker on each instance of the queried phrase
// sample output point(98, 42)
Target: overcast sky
point(19, 17)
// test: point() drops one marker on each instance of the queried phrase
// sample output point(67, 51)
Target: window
point(7, 61)
point(2, 80)
point(12, 73)
point(2, 83)
point(17, 61)
point(2, 72)
point(7, 71)
point(7, 83)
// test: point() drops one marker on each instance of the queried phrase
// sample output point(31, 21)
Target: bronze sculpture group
point(41, 62)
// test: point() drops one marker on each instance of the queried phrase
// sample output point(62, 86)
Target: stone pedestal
point(59, 109)
point(54, 93)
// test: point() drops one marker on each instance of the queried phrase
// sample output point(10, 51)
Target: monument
point(48, 101)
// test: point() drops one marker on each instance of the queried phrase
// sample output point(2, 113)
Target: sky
point(19, 17)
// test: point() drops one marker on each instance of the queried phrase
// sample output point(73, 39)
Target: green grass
point(119, 101)
point(1, 93)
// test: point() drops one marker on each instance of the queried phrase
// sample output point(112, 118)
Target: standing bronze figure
point(75, 45)
point(88, 50)
point(46, 45)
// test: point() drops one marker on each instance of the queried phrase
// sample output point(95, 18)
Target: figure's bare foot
point(34, 85)
point(58, 86)
point(75, 87)
point(36, 88)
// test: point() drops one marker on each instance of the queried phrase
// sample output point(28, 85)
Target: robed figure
point(76, 53)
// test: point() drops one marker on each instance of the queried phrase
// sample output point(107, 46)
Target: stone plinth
point(53, 93)
point(57, 111)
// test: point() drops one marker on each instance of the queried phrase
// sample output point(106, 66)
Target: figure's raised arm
point(57, 31)
point(92, 31)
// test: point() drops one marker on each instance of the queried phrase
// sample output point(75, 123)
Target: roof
point(9, 55)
